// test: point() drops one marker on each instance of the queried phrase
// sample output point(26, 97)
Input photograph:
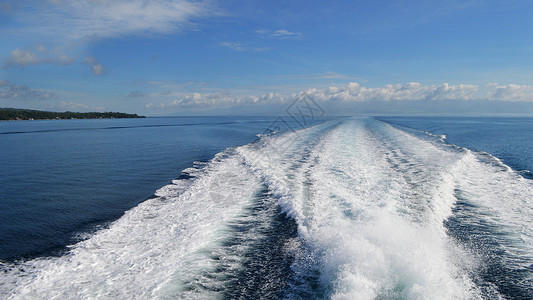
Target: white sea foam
point(371, 214)
point(152, 249)
point(506, 199)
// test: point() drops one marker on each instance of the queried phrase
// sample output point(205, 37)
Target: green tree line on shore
point(26, 114)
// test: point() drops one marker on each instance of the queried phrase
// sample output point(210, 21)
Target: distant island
point(28, 114)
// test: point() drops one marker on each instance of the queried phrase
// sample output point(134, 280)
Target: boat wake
point(348, 209)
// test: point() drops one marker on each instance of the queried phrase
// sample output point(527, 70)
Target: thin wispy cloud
point(285, 34)
point(233, 45)
point(137, 94)
point(280, 33)
point(237, 46)
point(88, 19)
point(67, 25)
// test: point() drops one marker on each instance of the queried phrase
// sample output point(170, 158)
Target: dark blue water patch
point(266, 269)
point(507, 138)
point(259, 240)
point(501, 270)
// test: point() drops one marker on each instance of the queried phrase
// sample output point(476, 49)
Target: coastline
point(13, 114)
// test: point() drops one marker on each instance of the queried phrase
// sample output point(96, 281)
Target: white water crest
point(370, 202)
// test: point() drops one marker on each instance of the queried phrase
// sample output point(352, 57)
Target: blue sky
point(166, 57)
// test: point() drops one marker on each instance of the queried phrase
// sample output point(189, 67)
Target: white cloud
point(355, 93)
point(233, 45)
point(285, 34)
point(21, 92)
point(96, 67)
point(35, 56)
point(22, 58)
point(410, 91)
point(237, 46)
point(69, 24)
point(281, 33)
point(511, 92)
point(81, 19)
point(218, 100)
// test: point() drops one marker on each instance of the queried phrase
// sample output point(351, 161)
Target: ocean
point(263, 207)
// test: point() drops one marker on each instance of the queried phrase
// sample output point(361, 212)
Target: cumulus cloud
point(96, 67)
point(355, 93)
point(218, 100)
point(21, 92)
point(34, 56)
point(511, 92)
point(410, 91)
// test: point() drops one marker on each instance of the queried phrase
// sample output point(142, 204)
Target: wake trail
point(348, 209)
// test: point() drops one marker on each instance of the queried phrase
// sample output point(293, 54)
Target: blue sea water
point(358, 208)
point(507, 138)
point(61, 179)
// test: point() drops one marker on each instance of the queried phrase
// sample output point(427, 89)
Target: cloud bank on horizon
point(354, 93)
point(164, 57)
